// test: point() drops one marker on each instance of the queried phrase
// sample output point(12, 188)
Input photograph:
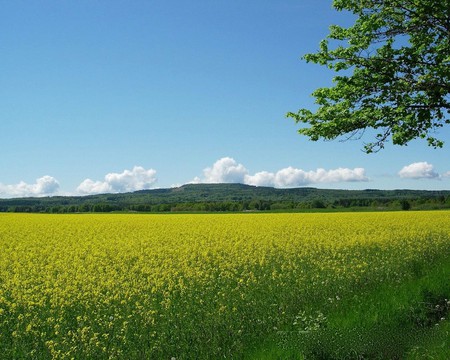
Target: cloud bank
point(44, 186)
point(227, 170)
point(129, 180)
point(224, 170)
point(418, 170)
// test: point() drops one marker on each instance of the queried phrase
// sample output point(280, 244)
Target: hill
point(231, 197)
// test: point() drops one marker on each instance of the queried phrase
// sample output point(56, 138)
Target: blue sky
point(110, 96)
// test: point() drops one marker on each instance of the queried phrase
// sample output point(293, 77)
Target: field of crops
point(262, 286)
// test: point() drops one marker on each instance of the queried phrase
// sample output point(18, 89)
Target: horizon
point(219, 184)
point(112, 97)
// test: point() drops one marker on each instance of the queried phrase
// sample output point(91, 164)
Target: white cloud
point(446, 175)
point(227, 170)
point(262, 178)
point(129, 180)
point(292, 177)
point(89, 186)
point(196, 180)
point(418, 170)
point(46, 185)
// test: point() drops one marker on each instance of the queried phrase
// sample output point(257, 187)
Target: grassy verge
point(403, 321)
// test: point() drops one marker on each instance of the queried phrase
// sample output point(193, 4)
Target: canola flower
point(195, 286)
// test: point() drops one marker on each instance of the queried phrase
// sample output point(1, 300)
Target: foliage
point(335, 286)
point(395, 61)
point(229, 198)
point(405, 204)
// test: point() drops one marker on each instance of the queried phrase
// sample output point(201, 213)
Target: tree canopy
point(394, 74)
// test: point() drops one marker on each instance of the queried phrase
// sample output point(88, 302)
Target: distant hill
point(232, 197)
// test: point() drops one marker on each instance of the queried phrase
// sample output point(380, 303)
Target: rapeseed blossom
point(151, 286)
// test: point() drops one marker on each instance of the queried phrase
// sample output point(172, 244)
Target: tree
point(405, 204)
point(395, 66)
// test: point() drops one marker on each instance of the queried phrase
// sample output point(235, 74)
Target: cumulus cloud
point(227, 170)
point(292, 177)
point(418, 170)
point(44, 186)
point(129, 180)
point(89, 186)
point(262, 178)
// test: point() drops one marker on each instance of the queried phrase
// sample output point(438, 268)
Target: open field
point(313, 286)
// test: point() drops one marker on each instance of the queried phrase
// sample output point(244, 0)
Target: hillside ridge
point(226, 197)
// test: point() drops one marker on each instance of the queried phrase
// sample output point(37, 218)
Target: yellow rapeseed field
point(128, 286)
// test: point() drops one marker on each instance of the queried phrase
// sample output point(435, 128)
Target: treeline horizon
point(233, 198)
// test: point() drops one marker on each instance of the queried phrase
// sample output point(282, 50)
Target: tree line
point(440, 202)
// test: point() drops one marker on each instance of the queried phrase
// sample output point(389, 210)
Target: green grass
point(404, 321)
